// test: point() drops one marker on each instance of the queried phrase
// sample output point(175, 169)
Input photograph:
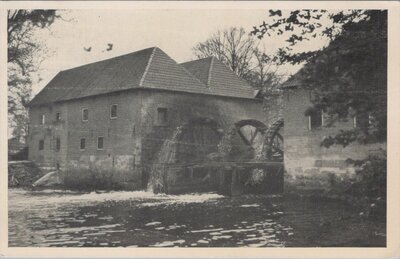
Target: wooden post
point(236, 188)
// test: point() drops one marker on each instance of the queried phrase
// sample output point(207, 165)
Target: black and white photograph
point(206, 127)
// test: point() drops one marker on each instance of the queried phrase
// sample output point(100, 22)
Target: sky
point(172, 30)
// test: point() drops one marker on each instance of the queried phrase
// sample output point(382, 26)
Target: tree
point(23, 60)
point(240, 52)
point(263, 73)
point(234, 47)
point(348, 76)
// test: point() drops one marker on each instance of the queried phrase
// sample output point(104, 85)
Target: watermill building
point(117, 114)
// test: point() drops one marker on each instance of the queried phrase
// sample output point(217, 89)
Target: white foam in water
point(206, 230)
point(51, 198)
point(238, 230)
point(221, 237)
point(258, 245)
point(250, 205)
point(215, 234)
point(169, 243)
point(153, 223)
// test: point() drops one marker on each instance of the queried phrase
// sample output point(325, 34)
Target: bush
point(23, 173)
point(370, 188)
point(371, 173)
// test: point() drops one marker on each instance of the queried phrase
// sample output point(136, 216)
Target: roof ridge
point(147, 67)
point(209, 71)
point(107, 59)
point(196, 60)
point(190, 74)
point(246, 85)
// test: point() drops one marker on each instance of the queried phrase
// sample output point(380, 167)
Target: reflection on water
point(142, 219)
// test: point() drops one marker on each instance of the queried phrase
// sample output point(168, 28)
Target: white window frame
point(58, 118)
point(80, 144)
point(83, 109)
point(322, 122)
point(42, 119)
point(98, 143)
point(369, 120)
point(111, 117)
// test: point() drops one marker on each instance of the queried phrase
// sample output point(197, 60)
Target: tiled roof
point(293, 81)
point(164, 73)
point(148, 68)
point(199, 68)
point(219, 78)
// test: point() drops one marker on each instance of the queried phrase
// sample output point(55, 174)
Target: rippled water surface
point(142, 219)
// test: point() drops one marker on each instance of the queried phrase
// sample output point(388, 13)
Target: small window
point(100, 143)
point(42, 119)
point(58, 144)
point(85, 114)
point(162, 116)
point(113, 111)
point(362, 120)
point(41, 144)
point(83, 144)
point(315, 120)
point(58, 116)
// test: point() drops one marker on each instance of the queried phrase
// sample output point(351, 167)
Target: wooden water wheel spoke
point(253, 136)
point(275, 141)
point(244, 138)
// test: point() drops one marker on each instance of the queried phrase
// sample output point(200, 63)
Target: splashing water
point(166, 155)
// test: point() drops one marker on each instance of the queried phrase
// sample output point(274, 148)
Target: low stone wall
point(113, 172)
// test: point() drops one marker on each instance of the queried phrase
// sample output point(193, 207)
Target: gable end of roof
point(147, 67)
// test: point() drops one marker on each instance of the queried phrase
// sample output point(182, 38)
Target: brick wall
point(183, 108)
point(308, 165)
point(48, 132)
point(120, 145)
point(133, 139)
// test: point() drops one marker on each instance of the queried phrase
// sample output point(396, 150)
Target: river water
point(142, 219)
